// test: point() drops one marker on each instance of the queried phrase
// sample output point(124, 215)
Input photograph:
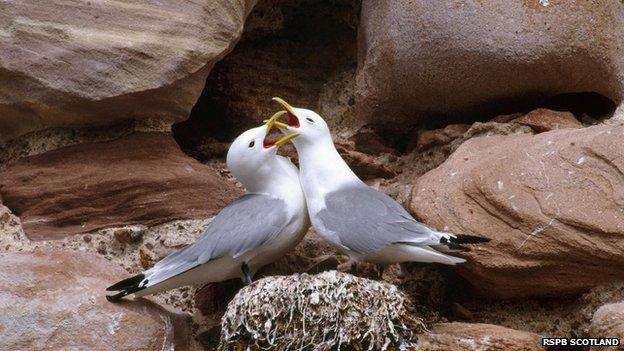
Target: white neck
point(278, 178)
point(322, 170)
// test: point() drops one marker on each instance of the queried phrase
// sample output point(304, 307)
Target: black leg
point(401, 273)
point(246, 274)
point(354, 267)
point(380, 271)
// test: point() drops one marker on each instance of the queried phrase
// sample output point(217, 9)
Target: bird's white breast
point(287, 188)
point(322, 171)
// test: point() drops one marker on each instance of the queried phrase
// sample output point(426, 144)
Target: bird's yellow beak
point(286, 138)
point(273, 122)
point(293, 121)
point(285, 105)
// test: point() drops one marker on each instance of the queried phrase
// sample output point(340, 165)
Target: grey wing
point(251, 221)
point(365, 220)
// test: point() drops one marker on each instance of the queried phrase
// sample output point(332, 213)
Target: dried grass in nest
point(327, 311)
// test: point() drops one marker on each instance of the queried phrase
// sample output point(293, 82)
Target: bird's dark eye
point(310, 120)
point(253, 142)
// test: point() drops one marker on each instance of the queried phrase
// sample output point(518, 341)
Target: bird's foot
point(246, 274)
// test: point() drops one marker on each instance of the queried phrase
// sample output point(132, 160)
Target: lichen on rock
point(327, 311)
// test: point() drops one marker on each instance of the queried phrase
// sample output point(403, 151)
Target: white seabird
point(254, 230)
point(358, 220)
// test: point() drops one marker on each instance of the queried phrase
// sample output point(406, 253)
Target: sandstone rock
point(139, 179)
point(329, 310)
point(608, 322)
point(91, 63)
point(420, 60)
point(506, 118)
point(455, 131)
point(461, 312)
point(371, 143)
point(494, 128)
point(436, 137)
point(543, 120)
point(55, 300)
point(551, 203)
point(468, 337)
point(430, 138)
point(365, 166)
point(129, 235)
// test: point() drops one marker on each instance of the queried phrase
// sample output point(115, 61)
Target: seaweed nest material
point(327, 311)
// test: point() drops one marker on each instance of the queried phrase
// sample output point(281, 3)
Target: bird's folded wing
point(250, 222)
point(365, 220)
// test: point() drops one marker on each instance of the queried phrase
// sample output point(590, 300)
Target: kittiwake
point(254, 230)
point(358, 220)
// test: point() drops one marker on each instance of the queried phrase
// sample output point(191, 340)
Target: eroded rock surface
point(608, 322)
point(139, 179)
point(54, 300)
point(423, 60)
point(96, 62)
point(551, 203)
point(543, 120)
point(469, 337)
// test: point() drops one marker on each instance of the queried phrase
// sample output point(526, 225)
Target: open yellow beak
point(273, 121)
point(285, 105)
point(286, 138)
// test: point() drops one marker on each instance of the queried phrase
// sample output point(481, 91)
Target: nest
point(328, 311)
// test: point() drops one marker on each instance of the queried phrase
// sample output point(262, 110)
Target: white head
point(253, 159)
point(322, 167)
point(306, 126)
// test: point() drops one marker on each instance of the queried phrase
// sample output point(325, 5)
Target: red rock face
point(419, 59)
point(543, 120)
point(477, 336)
point(142, 178)
point(54, 300)
point(552, 204)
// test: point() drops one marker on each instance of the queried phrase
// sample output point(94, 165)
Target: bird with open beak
point(254, 230)
point(358, 220)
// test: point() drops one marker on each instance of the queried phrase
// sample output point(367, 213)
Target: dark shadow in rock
point(289, 49)
point(589, 104)
point(212, 299)
point(587, 107)
point(209, 339)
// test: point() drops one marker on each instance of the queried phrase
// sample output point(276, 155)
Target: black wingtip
point(125, 287)
point(116, 298)
point(464, 239)
point(129, 283)
point(470, 239)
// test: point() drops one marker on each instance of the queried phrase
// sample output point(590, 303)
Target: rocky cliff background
point(499, 119)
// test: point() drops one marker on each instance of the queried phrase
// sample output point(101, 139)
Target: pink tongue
point(268, 144)
point(293, 121)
